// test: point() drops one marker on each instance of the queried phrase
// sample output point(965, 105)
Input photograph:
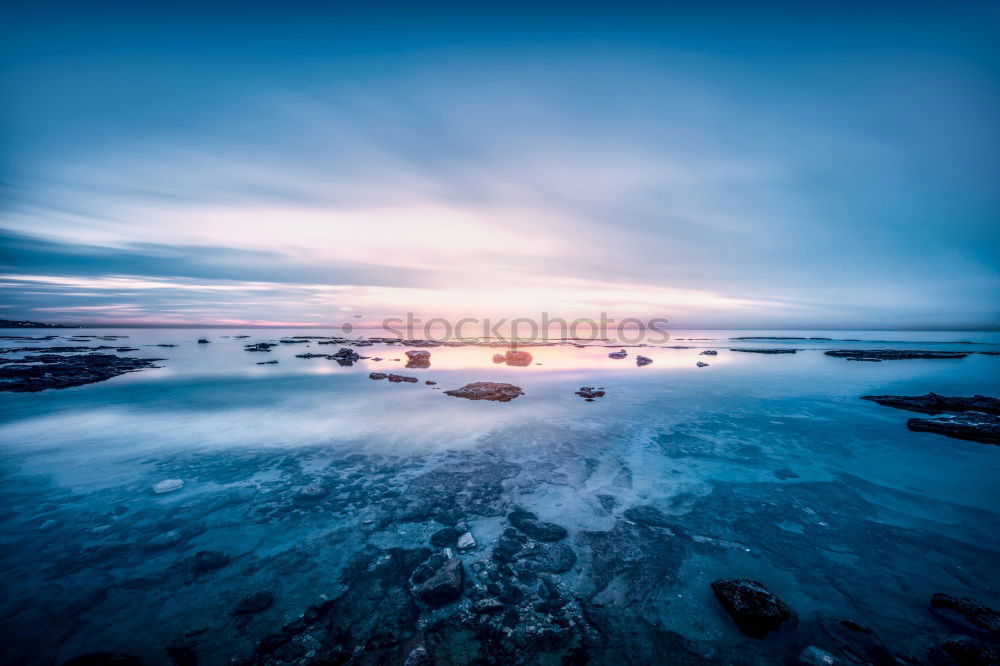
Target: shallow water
point(863, 519)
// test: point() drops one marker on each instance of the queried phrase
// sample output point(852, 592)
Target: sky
point(774, 165)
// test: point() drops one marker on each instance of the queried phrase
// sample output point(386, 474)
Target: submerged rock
point(209, 560)
point(168, 486)
point(972, 427)
point(255, 603)
point(932, 403)
point(541, 530)
point(971, 611)
point(444, 538)
point(55, 371)
point(642, 360)
point(754, 609)
point(496, 391)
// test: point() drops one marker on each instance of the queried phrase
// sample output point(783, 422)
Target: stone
point(396, 379)
point(377, 375)
point(932, 403)
point(709, 352)
point(168, 486)
point(466, 541)
point(642, 360)
point(589, 393)
point(254, 603)
point(971, 426)
point(541, 530)
point(444, 585)
point(496, 391)
point(418, 359)
point(701, 364)
point(971, 611)
point(209, 560)
point(39, 372)
point(754, 609)
point(274, 362)
point(444, 538)
point(891, 354)
point(203, 341)
point(260, 347)
point(618, 354)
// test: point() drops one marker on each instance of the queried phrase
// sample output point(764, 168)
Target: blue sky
point(777, 165)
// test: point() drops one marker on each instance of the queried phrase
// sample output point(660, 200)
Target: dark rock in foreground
point(978, 615)
point(972, 427)
point(754, 609)
point(497, 391)
point(932, 403)
point(439, 580)
point(764, 351)
point(965, 651)
point(889, 354)
point(52, 371)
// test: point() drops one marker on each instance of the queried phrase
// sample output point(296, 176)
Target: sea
point(319, 490)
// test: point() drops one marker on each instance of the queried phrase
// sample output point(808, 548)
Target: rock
point(642, 360)
point(293, 341)
point(974, 613)
point(518, 358)
point(104, 659)
point(814, 656)
point(488, 605)
point(499, 358)
point(541, 530)
point(346, 356)
point(418, 657)
point(764, 351)
point(377, 375)
point(548, 557)
point(209, 560)
point(647, 515)
point(260, 347)
point(430, 383)
point(164, 540)
point(38, 372)
point(466, 541)
point(507, 545)
point(890, 354)
point(396, 379)
point(495, 391)
point(444, 538)
point(932, 403)
point(754, 609)
point(589, 393)
point(274, 362)
point(203, 341)
point(971, 426)
point(444, 582)
point(255, 603)
point(709, 352)
point(965, 651)
point(418, 359)
point(701, 364)
point(618, 354)
point(168, 486)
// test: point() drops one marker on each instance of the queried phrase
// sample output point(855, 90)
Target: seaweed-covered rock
point(496, 391)
point(754, 609)
point(55, 371)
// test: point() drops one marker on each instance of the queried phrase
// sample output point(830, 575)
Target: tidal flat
point(259, 497)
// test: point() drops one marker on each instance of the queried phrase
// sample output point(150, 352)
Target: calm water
point(863, 520)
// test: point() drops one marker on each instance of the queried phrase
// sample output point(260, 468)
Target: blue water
point(872, 521)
